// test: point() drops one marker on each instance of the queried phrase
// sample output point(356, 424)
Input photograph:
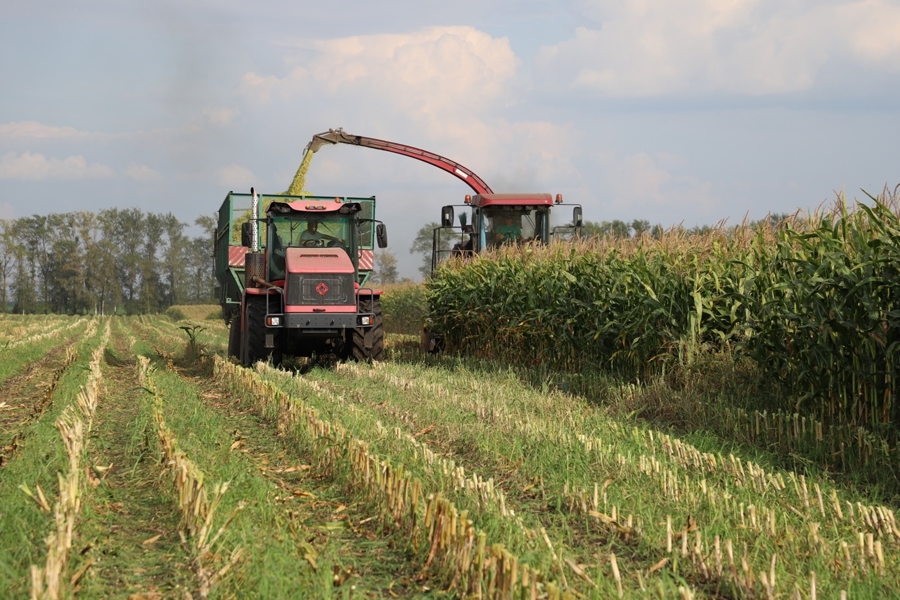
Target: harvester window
point(513, 225)
point(504, 227)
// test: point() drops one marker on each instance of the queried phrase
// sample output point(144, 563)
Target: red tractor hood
point(318, 260)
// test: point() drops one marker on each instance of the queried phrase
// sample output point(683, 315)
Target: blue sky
point(688, 111)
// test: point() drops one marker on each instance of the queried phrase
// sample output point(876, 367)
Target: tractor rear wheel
point(367, 343)
point(234, 337)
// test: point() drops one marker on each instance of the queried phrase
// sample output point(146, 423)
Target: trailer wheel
point(367, 343)
point(255, 334)
point(234, 337)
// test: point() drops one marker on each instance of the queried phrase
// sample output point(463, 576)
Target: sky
point(683, 112)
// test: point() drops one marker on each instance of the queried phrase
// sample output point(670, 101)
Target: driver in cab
point(311, 236)
point(507, 228)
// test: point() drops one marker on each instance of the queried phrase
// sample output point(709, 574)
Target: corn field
point(404, 308)
point(812, 301)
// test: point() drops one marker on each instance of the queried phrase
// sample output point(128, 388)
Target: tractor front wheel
point(367, 343)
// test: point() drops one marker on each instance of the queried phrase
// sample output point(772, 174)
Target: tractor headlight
point(273, 321)
point(365, 320)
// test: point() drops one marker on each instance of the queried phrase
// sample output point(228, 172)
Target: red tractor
point(295, 283)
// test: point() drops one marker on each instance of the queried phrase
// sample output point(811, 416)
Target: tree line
point(117, 261)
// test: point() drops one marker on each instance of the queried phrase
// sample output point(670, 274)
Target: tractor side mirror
point(577, 220)
point(447, 216)
point(381, 234)
point(246, 234)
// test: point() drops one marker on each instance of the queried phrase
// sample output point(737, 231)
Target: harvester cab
point(295, 284)
point(498, 220)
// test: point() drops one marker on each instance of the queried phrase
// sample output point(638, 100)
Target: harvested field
point(184, 475)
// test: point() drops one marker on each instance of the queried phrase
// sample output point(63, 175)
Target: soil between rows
point(25, 397)
point(130, 524)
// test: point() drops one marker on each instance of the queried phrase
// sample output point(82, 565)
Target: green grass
point(41, 456)
point(27, 350)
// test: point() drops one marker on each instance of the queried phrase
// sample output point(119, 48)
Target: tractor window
point(366, 227)
point(307, 231)
point(540, 222)
point(311, 231)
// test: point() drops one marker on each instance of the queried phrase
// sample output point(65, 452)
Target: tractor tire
point(255, 333)
point(367, 343)
point(234, 337)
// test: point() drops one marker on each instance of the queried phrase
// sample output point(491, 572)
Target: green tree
point(423, 245)
point(101, 291)
point(7, 260)
point(174, 273)
point(386, 267)
point(25, 286)
point(202, 261)
point(592, 229)
point(35, 244)
point(122, 229)
point(151, 286)
point(615, 228)
point(640, 227)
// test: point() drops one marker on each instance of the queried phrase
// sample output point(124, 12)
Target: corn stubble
point(720, 522)
point(48, 582)
point(506, 491)
point(451, 546)
point(197, 510)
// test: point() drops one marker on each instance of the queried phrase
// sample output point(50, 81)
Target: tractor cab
point(307, 226)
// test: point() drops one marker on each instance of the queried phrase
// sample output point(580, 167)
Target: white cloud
point(142, 173)
point(36, 167)
point(235, 176)
point(258, 88)
point(873, 31)
point(35, 130)
point(431, 73)
point(693, 47)
point(444, 89)
point(218, 116)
